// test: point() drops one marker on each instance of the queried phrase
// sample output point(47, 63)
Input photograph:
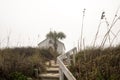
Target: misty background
point(26, 22)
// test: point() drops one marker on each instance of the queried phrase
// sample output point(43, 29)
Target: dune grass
point(97, 64)
point(22, 60)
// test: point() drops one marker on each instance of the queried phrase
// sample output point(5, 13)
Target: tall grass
point(23, 60)
point(99, 64)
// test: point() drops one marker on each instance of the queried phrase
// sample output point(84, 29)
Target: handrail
point(63, 70)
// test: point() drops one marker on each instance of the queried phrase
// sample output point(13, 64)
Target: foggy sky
point(27, 22)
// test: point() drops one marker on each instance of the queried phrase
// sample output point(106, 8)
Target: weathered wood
point(61, 74)
point(62, 68)
point(74, 53)
point(36, 73)
point(68, 60)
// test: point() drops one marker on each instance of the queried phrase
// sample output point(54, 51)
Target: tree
point(55, 36)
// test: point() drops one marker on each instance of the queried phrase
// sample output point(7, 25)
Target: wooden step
point(55, 66)
point(49, 76)
point(52, 64)
point(52, 70)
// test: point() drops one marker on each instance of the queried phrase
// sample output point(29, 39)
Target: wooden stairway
point(52, 72)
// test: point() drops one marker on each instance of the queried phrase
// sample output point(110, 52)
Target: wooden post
point(74, 53)
point(68, 60)
point(36, 73)
point(61, 74)
point(49, 63)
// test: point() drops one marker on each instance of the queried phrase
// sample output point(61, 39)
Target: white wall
point(46, 44)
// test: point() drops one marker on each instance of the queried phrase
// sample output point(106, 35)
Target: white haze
point(27, 22)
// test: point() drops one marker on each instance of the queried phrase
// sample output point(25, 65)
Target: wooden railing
point(63, 70)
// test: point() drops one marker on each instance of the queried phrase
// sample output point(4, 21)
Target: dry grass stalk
point(114, 37)
point(97, 34)
point(115, 19)
point(82, 30)
point(106, 35)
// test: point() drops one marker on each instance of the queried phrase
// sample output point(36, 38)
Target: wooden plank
point(67, 73)
point(62, 68)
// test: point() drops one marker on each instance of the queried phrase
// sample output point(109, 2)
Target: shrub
point(46, 54)
point(17, 76)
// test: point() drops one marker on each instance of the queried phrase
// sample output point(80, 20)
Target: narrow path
point(52, 72)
